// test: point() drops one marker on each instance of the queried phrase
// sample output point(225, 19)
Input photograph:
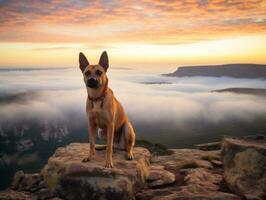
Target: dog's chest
point(99, 115)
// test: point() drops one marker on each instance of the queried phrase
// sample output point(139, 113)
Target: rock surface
point(71, 178)
point(159, 177)
point(244, 162)
point(27, 186)
point(9, 194)
point(195, 177)
point(181, 174)
point(187, 158)
point(27, 182)
point(209, 146)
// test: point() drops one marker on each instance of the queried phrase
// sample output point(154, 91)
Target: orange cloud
point(148, 21)
point(167, 31)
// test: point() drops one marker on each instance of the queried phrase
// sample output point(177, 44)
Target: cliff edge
point(205, 173)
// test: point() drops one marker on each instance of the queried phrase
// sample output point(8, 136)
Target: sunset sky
point(142, 34)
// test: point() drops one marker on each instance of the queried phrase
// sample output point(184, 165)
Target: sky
point(145, 34)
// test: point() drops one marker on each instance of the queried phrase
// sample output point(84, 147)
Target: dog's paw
point(130, 156)
point(109, 165)
point(87, 159)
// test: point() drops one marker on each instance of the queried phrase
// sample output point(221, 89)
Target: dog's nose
point(92, 82)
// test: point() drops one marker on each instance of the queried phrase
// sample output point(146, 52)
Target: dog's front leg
point(109, 147)
point(92, 137)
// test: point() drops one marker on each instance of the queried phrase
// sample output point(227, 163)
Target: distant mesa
point(156, 83)
point(228, 70)
point(251, 91)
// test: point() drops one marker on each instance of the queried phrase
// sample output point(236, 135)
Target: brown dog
point(104, 111)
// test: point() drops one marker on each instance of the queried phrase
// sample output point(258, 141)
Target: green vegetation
point(157, 149)
point(189, 164)
point(210, 157)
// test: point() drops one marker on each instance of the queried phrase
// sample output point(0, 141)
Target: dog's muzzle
point(92, 82)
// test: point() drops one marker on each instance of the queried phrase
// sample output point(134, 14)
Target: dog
point(105, 114)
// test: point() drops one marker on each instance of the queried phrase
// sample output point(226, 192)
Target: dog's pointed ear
point(104, 61)
point(83, 62)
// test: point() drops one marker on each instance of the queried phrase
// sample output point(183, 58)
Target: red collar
point(100, 98)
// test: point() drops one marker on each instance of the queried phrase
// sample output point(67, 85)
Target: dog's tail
point(100, 147)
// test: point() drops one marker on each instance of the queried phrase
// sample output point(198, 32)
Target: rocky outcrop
point(16, 195)
point(195, 177)
point(244, 162)
point(178, 174)
point(27, 182)
point(27, 186)
point(69, 177)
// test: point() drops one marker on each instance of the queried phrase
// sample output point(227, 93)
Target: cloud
point(177, 114)
point(241, 21)
point(169, 106)
point(51, 48)
point(143, 21)
point(176, 105)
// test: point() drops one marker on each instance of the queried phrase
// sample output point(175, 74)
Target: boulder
point(201, 180)
point(27, 182)
point(69, 177)
point(159, 177)
point(244, 162)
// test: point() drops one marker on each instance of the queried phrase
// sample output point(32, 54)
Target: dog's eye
point(98, 73)
point(87, 73)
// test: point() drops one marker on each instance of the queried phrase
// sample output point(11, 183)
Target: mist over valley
point(41, 109)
